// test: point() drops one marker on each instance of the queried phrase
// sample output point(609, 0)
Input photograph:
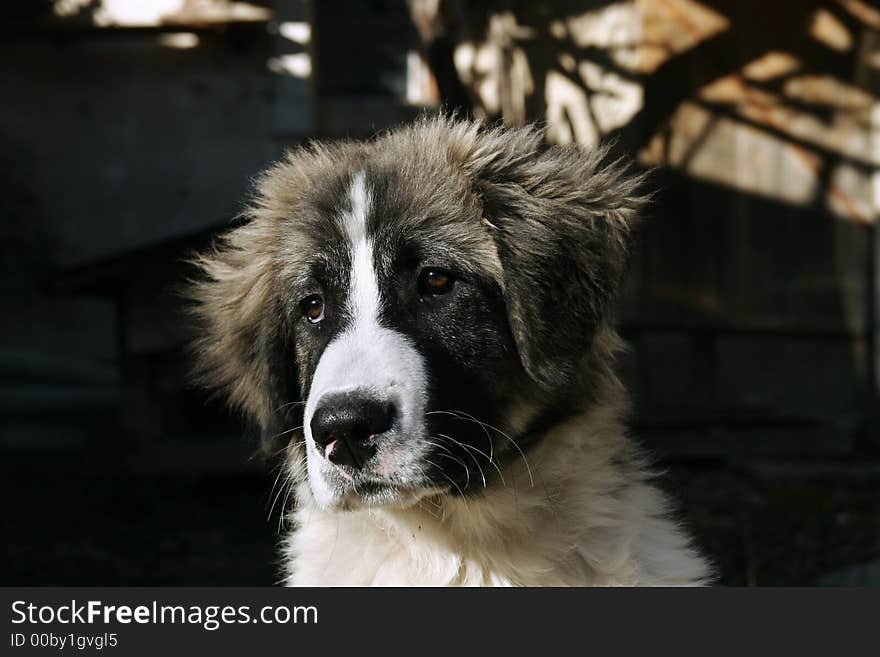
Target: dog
point(423, 321)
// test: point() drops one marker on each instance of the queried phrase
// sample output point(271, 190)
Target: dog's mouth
point(375, 493)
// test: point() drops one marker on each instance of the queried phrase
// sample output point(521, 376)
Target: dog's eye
point(312, 308)
point(435, 281)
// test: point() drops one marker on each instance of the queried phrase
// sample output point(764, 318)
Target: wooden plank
point(130, 164)
point(801, 378)
point(867, 77)
point(228, 454)
point(360, 66)
point(292, 65)
point(42, 17)
point(874, 359)
point(360, 48)
point(154, 318)
point(713, 257)
point(754, 387)
point(741, 443)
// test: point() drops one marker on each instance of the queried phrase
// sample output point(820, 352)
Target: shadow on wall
point(775, 100)
point(751, 304)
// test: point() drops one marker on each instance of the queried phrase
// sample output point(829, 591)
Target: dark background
point(129, 132)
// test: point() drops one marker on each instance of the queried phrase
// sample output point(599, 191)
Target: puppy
point(423, 321)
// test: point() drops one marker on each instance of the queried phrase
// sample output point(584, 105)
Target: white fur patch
point(365, 301)
point(366, 356)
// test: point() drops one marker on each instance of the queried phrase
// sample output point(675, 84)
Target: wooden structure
point(236, 86)
point(752, 306)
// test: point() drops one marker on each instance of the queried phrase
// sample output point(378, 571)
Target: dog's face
point(401, 336)
point(405, 312)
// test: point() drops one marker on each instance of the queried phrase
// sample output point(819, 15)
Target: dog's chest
point(358, 550)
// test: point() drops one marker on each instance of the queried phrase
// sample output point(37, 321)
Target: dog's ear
point(243, 331)
point(238, 334)
point(561, 217)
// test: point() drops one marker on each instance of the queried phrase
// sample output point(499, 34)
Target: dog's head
point(405, 312)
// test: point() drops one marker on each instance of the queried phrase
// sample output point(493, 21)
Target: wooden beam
point(873, 313)
point(869, 43)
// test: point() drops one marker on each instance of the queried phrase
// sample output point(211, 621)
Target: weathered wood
point(360, 66)
point(710, 256)
point(293, 36)
point(872, 351)
point(752, 309)
point(744, 442)
point(869, 75)
point(755, 387)
point(127, 142)
point(360, 48)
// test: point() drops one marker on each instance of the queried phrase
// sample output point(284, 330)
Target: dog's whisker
point(439, 508)
point(288, 405)
point(524, 459)
point(467, 473)
point(291, 472)
point(272, 491)
point(440, 470)
point(468, 417)
point(284, 490)
point(473, 458)
point(438, 445)
point(481, 453)
point(448, 454)
point(273, 453)
point(281, 433)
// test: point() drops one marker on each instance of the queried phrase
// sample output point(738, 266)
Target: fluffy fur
point(581, 512)
point(539, 236)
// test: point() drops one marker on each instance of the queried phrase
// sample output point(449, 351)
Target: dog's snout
point(344, 426)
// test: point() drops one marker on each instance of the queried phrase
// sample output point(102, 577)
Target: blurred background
point(129, 131)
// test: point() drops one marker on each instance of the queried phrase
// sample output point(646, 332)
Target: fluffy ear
point(243, 339)
point(562, 221)
point(238, 343)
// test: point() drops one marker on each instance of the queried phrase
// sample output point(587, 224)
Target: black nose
point(344, 426)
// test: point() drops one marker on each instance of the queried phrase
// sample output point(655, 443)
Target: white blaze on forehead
point(366, 356)
point(364, 300)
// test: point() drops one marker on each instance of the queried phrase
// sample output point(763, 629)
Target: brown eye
point(435, 281)
point(312, 308)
